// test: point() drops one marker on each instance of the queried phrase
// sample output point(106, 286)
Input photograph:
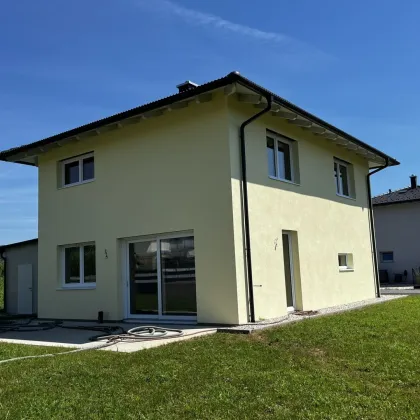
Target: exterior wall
point(162, 175)
point(323, 223)
point(22, 254)
point(397, 229)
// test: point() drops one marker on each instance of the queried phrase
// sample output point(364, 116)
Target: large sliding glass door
point(162, 277)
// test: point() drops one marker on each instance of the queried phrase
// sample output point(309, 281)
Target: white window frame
point(277, 138)
point(79, 159)
point(338, 183)
point(349, 264)
point(81, 284)
point(386, 261)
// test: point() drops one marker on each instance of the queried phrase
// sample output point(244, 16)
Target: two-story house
point(222, 203)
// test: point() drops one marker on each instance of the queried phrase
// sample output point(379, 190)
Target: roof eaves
point(27, 242)
point(215, 84)
point(319, 121)
point(388, 203)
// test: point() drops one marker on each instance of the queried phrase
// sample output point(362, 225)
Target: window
point(343, 174)
point(79, 265)
point(280, 158)
point(387, 257)
point(78, 170)
point(345, 262)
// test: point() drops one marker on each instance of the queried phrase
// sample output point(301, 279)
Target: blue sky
point(354, 63)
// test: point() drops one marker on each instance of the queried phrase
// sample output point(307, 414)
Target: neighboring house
point(20, 277)
point(152, 213)
point(397, 227)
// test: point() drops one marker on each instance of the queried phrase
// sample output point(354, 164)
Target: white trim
point(284, 180)
point(126, 277)
point(345, 196)
point(81, 284)
point(292, 271)
point(349, 262)
point(79, 159)
point(339, 182)
point(76, 183)
point(277, 138)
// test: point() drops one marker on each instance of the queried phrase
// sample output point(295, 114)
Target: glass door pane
point(143, 278)
point(178, 276)
point(287, 270)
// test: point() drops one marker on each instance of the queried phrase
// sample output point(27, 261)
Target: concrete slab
point(62, 336)
point(400, 291)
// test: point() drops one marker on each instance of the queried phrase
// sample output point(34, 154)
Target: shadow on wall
point(309, 166)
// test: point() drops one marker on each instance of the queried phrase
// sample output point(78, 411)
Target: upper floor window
point(78, 170)
point(343, 174)
point(280, 160)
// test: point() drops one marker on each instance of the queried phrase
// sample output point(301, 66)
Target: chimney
point(413, 179)
point(186, 86)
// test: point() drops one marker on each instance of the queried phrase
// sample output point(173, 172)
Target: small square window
point(345, 262)
point(280, 158)
point(387, 257)
point(79, 265)
point(78, 170)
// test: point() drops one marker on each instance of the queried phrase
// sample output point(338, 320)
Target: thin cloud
point(197, 18)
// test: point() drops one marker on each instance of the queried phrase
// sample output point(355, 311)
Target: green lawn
point(361, 364)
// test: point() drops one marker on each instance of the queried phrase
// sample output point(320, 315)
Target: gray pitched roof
point(403, 195)
point(233, 77)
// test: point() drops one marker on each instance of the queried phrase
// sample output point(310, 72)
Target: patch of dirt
point(305, 313)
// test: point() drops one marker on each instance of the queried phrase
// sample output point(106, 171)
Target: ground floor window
point(345, 262)
point(79, 265)
point(387, 257)
point(162, 276)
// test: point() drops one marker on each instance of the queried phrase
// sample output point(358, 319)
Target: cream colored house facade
point(156, 230)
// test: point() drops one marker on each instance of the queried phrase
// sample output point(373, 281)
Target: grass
point(360, 364)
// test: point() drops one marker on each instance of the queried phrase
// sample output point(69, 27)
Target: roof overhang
point(233, 84)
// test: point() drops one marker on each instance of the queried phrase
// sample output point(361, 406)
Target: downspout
point(3, 257)
point(248, 260)
point(372, 227)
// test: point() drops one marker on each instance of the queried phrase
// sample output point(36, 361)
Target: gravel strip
point(260, 325)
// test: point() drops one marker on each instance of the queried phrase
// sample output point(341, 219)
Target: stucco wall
point(162, 175)
point(22, 254)
point(397, 229)
point(325, 223)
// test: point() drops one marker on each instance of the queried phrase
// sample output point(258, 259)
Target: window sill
point(283, 180)
point(345, 270)
point(76, 288)
point(76, 184)
point(346, 196)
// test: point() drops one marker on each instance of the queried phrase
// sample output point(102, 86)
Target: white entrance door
point(288, 271)
point(24, 289)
